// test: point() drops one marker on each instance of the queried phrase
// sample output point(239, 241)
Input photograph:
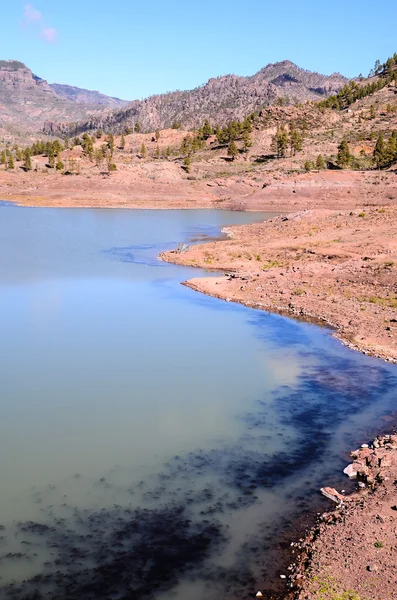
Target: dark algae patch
point(161, 444)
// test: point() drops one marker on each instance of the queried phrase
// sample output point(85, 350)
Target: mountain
point(82, 96)
point(27, 101)
point(220, 100)
point(28, 104)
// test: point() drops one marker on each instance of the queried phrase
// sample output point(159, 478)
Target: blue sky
point(133, 49)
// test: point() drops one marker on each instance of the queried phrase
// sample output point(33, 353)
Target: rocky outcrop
point(82, 96)
point(220, 100)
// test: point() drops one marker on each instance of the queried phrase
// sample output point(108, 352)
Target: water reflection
point(154, 442)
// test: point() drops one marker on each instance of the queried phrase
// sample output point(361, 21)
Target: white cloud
point(49, 34)
point(33, 19)
point(31, 14)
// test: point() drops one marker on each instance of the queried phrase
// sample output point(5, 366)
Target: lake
point(156, 443)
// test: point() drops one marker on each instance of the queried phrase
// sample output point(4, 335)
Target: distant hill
point(29, 104)
point(82, 96)
point(27, 101)
point(219, 100)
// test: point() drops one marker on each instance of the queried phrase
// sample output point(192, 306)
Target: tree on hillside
point(379, 153)
point(99, 134)
point(60, 166)
point(295, 140)
point(344, 157)
point(372, 112)
point(157, 135)
point(11, 162)
point(232, 150)
point(3, 158)
point(280, 141)
point(320, 162)
point(143, 150)
point(28, 161)
point(247, 142)
point(207, 129)
point(122, 142)
point(391, 149)
point(137, 128)
point(110, 142)
point(187, 162)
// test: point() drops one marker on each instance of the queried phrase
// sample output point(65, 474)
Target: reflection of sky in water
point(123, 392)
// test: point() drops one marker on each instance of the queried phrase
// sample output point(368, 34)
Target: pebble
point(364, 446)
point(259, 594)
point(361, 484)
point(283, 577)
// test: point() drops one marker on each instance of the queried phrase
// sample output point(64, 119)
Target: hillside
point(220, 100)
point(82, 96)
point(27, 101)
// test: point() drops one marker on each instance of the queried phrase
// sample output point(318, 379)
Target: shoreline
point(350, 552)
point(292, 265)
point(316, 570)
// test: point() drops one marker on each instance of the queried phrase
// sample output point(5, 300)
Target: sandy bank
point(334, 267)
point(165, 185)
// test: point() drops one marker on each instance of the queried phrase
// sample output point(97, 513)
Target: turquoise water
point(154, 442)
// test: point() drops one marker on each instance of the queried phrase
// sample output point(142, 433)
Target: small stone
point(372, 568)
point(350, 470)
point(361, 484)
point(283, 577)
point(259, 594)
point(364, 446)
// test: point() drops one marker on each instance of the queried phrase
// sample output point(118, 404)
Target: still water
point(156, 443)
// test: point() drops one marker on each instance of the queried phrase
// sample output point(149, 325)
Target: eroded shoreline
point(337, 268)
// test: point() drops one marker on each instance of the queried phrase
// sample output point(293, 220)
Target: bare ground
point(336, 267)
point(351, 553)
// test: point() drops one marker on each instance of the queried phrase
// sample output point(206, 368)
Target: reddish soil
point(163, 184)
point(336, 267)
point(351, 554)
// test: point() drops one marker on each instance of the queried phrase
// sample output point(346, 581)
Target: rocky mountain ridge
point(220, 100)
point(83, 96)
point(27, 101)
point(30, 104)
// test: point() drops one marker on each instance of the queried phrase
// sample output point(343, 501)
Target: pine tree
point(247, 142)
point(207, 129)
point(187, 163)
point(232, 150)
point(391, 149)
point(110, 141)
point(60, 166)
point(295, 140)
point(28, 161)
point(379, 153)
point(3, 158)
point(320, 162)
point(137, 128)
point(122, 142)
point(11, 162)
point(344, 157)
point(67, 143)
point(143, 150)
point(99, 134)
point(308, 165)
point(280, 141)
point(372, 112)
point(157, 135)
